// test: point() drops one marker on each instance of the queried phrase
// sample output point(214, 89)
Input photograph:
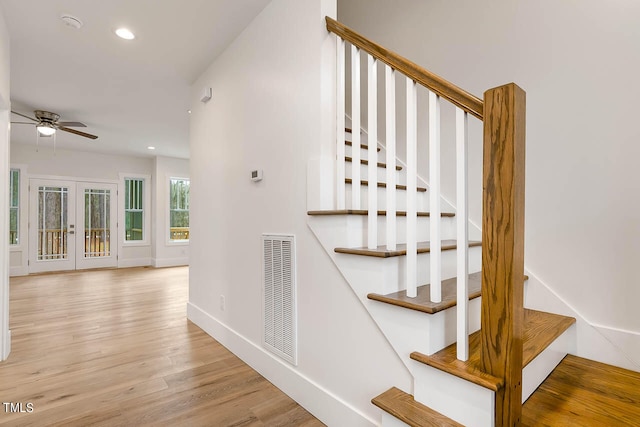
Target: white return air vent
point(279, 296)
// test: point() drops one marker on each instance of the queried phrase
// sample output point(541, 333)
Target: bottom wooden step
point(581, 392)
point(402, 406)
point(540, 330)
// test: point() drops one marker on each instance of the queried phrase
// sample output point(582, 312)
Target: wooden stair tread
point(540, 329)
point(586, 393)
point(366, 212)
point(422, 302)
point(363, 146)
point(366, 162)
point(404, 407)
point(384, 185)
point(383, 252)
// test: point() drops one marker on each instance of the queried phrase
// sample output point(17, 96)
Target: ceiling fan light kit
point(47, 124)
point(46, 129)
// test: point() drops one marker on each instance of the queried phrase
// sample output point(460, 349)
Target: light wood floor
point(114, 348)
point(581, 392)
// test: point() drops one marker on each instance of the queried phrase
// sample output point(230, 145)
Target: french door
point(72, 225)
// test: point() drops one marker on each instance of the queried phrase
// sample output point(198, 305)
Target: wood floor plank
point(114, 348)
point(581, 392)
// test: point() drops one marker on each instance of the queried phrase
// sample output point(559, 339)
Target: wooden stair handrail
point(457, 96)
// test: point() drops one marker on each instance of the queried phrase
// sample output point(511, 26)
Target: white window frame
point(146, 209)
point(18, 207)
point(168, 223)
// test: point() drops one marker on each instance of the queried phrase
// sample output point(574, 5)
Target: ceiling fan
point(47, 123)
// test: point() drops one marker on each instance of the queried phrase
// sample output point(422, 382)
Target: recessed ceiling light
point(151, 147)
point(124, 33)
point(189, 111)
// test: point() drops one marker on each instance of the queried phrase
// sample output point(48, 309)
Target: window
point(178, 209)
point(14, 206)
point(133, 209)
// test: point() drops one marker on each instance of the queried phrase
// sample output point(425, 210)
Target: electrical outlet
point(223, 304)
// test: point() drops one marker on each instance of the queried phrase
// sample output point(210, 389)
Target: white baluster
point(372, 155)
point(462, 234)
point(340, 126)
point(412, 215)
point(434, 197)
point(355, 125)
point(390, 100)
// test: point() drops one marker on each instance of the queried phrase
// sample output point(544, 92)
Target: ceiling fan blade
point(72, 124)
point(22, 123)
point(22, 115)
point(77, 132)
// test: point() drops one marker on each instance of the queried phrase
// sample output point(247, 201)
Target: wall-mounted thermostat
point(256, 175)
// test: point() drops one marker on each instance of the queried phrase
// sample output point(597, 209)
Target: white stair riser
point(381, 172)
point(465, 402)
point(401, 198)
point(448, 265)
point(411, 330)
point(354, 229)
point(539, 368)
point(389, 420)
point(378, 275)
point(348, 136)
point(385, 275)
point(364, 153)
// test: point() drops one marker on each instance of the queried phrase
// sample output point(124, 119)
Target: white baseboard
point(134, 262)
point(323, 404)
point(170, 262)
point(603, 344)
point(628, 342)
point(18, 271)
point(6, 347)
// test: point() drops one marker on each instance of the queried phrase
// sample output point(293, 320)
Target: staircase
point(475, 353)
point(422, 332)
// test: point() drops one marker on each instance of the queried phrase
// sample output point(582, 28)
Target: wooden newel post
point(503, 246)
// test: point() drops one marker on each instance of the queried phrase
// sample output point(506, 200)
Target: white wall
point(269, 111)
point(166, 253)
point(76, 165)
point(5, 334)
point(579, 63)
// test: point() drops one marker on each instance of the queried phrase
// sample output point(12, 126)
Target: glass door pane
point(97, 225)
point(97, 243)
point(52, 212)
point(53, 223)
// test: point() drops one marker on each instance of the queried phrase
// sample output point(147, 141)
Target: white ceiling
point(132, 94)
